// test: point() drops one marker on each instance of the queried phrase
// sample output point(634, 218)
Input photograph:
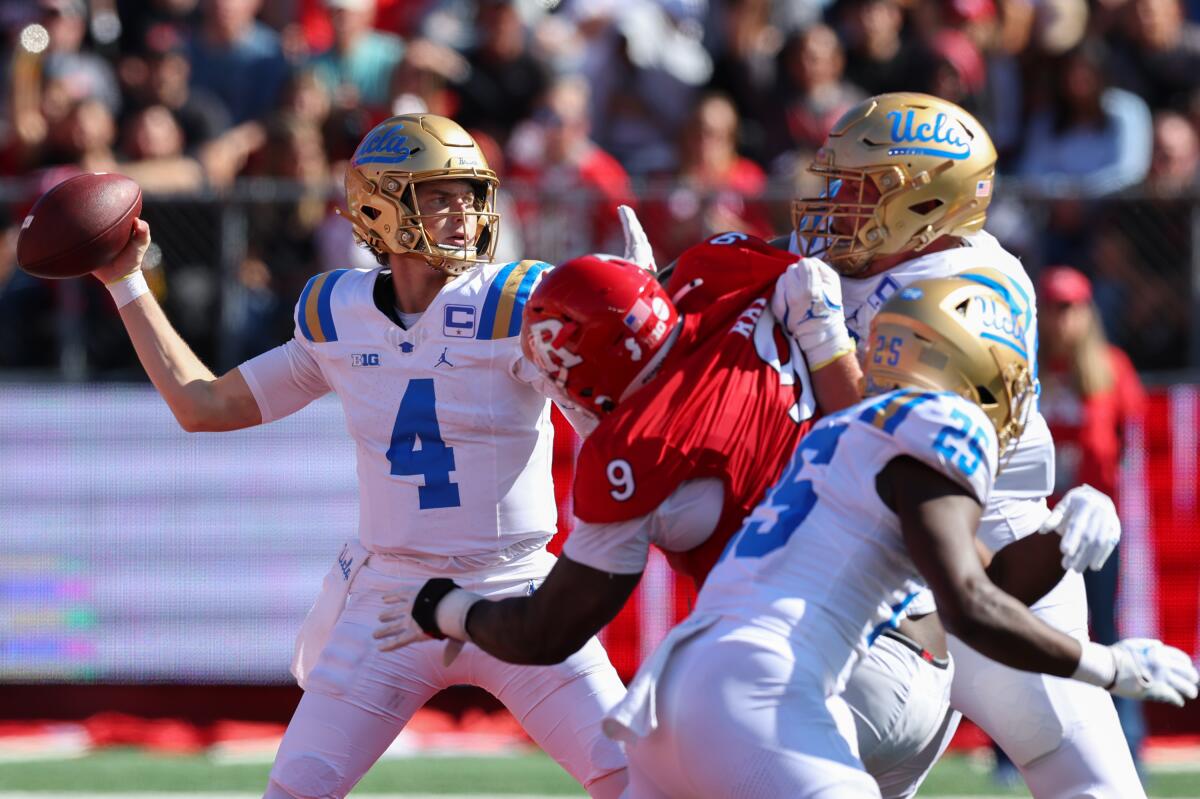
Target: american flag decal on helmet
point(637, 316)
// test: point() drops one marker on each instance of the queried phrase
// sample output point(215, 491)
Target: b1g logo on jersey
point(459, 321)
point(364, 359)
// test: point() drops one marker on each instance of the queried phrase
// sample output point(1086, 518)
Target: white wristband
point(833, 343)
point(128, 288)
point(1097, 665)
point(451, 613)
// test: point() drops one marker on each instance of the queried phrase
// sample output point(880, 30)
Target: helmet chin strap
point(651, 368)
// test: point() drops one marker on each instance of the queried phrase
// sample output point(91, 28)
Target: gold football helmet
point(397, 155)
point(956, 334)
point(900, 170)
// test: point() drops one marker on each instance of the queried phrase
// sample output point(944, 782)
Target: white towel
point(635, 716)
point(321, 618)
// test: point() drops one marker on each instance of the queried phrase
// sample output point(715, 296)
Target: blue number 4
point(417, 419)
point(790, 501)
point(976, 440)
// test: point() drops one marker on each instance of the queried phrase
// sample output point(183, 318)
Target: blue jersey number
point(417, 420)
point(887, 351)
point(771, 524)
point(974, 438)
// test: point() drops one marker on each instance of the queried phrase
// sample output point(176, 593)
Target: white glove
point(1140, 668)
point(1087, 522)
point(808, 301)
point(1149, 669)
point(437, 610)
point(637, 246)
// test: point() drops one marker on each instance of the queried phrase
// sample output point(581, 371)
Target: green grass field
point(126, 772)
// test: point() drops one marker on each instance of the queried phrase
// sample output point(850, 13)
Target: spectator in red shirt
point(1089, 387)
point(715, 190)
point(554, 156)
point(1090, 392)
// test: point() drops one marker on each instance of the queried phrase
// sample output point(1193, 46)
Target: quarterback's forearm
point(199, 400)
point(838, 385)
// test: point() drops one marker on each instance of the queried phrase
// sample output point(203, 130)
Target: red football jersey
point(731, 402)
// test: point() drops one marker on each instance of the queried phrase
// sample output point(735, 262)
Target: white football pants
point(358, 699)
point(900, 703)
point(739, 717)
point(1063, 735)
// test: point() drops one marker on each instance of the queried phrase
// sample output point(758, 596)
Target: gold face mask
point(901, 170)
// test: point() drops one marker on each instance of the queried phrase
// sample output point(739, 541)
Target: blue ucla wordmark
point(953, 140)
point(383, 147)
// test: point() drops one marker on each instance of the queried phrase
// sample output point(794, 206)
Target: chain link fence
point(228, 267)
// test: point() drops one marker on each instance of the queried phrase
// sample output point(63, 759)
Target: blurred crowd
point(701, 113)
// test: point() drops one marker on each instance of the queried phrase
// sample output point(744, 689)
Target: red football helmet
point(595, 324)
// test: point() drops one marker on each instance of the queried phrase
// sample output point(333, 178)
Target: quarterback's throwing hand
point(808, 301)
point(1086, 520)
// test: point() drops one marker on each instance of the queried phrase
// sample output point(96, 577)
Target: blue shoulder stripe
point(301, 317)
point(487, 317)
point(523, 292)
point(901, 413)
point(314, 314)
point(324, 309)
point(893, 408)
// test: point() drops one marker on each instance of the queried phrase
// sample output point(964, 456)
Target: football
point(79, 225)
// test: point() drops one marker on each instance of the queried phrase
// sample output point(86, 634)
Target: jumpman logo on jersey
point(852, 323)
point(442, 359)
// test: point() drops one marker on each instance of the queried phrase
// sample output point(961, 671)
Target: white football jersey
point(1027, 473)
point(822, 559)
point(453, 451)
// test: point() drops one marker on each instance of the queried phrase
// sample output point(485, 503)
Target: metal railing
point(231, 264)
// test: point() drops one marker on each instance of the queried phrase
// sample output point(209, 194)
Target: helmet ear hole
point(370, 212)
point(985, 397)
point(926, 208)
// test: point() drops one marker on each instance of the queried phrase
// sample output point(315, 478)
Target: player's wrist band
point(126, 289)
point(1097, 665)
point(440, 609)
point(824, 344)
point(452, 613)
point(846, 349)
